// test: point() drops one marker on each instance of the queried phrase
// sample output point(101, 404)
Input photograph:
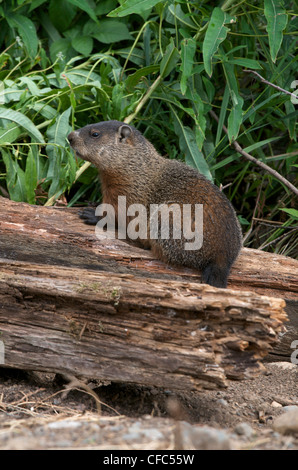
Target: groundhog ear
point(124, 132)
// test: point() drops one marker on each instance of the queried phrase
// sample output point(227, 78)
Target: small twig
point(284, 235)
point(265, 167)
point(144, 100)
point(76, 384)
point(257, 162)
point(289, 154)
point(282, 90)
point(253, 216)
point(65, 391)
point(274, 223)
point(222, 188)
point(82, 330)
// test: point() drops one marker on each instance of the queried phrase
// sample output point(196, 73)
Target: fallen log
point(71, 303)
point(122, 328)
point(56, 235)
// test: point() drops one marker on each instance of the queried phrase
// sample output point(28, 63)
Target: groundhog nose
point(71, 137)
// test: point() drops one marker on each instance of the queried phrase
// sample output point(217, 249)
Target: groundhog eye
point(94, 134)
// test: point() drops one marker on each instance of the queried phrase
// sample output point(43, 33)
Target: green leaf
point(236, 115)
point(61, 49)
point(293, 212)
point(57, 176)
point(234, 121)
point(277, 20)
point(187, 140)
point(188, 50)
point(84, 5)
point(216, 33)
point(22, 121)
point(58, 132)
point(136, 56)
point(251, 111)
point(169, 60)
point(27, 32)
point(70, 168)
point(257, 145)
point(10, 133)
point(83, 45)
point(30, 177)
point(15, 177)
point(222, 115)
point(133, 6)
point(45, 110)
point(249, 63)
point(174, 13)
point(61, 13)
point(32, 87)
point(209, 87)
point(291, 123)
point(200, 120)
point(57, 154)
point(133, 79)
point(243, 220)
point(45, 21)
point(105, 6)
point(36, 3)
point(224, 162)
point(110, 31)
point(39, 163)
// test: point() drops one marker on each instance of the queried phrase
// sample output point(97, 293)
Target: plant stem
point(258, 162)
point(133, 46)
point(282, 90)
point(82, 169)
point(145, 98)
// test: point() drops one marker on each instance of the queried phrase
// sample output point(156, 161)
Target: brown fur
point(130, 166)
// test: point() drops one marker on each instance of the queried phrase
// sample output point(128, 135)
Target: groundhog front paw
point(88, 216)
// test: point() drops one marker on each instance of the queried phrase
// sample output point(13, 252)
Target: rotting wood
point(55, 235)
point(52, 271)
point(171, 334)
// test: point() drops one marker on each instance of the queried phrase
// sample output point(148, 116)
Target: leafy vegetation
point(169, 68)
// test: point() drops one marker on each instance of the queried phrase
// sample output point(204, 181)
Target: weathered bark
point(122, 328)
point(71, 303)
point(52, 235)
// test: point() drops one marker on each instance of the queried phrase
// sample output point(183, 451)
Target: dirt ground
point(38, 412)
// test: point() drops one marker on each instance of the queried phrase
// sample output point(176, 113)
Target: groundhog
point(130, 166)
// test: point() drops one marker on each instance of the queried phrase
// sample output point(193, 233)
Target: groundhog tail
point(215, 275)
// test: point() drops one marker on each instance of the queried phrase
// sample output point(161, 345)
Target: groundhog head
point(102, 142)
